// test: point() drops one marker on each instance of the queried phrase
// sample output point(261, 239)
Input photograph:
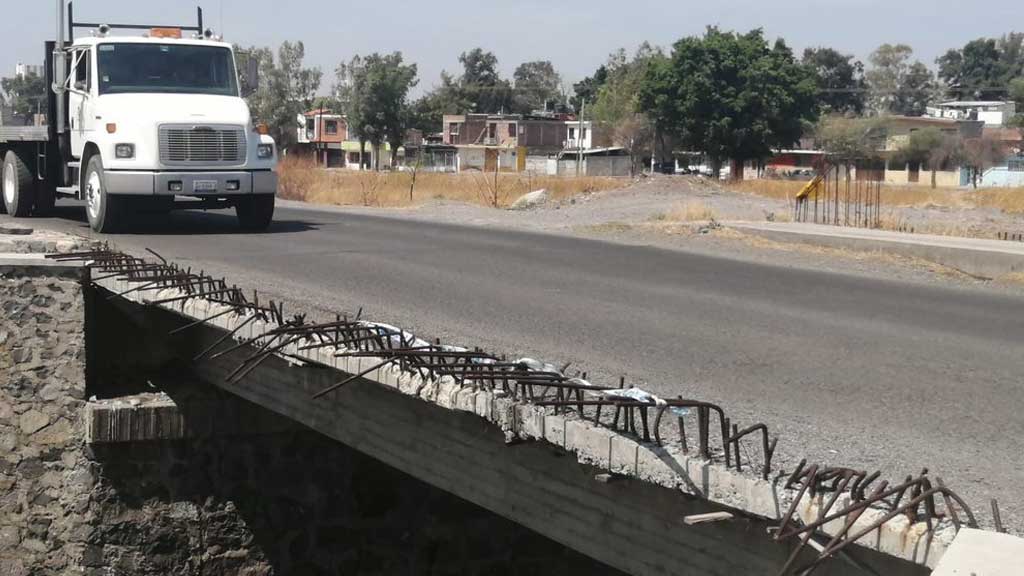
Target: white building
point(992, 113)
point(22, 70)
point(577, 137)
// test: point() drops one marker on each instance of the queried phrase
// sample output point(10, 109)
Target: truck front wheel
point(18, 186)
point(104, 210)
point(255, 212)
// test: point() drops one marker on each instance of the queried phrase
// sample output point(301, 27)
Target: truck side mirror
point(252, 77)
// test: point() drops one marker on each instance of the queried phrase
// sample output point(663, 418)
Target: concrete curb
point(981, 258)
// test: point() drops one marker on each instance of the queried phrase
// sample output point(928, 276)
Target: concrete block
point(592, 445)
point(657, 466)
point(554, 429)
point(531, 422)
point(447, 391)
point(483, 404)
point(982, 553)
point(409, 383)
point(503, 413)
point(466, 399)
point(430, 391)
point(623, 455)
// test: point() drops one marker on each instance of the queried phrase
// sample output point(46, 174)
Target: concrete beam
point(451, 437)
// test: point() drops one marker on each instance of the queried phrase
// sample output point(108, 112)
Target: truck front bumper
point(201, 184)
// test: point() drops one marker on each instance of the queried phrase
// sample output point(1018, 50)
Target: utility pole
point(579, 139)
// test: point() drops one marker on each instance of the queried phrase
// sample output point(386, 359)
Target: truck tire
point(18, 185)
point(105, 212)
point(255, 213)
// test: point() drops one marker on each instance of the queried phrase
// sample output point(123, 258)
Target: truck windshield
point(166, 68)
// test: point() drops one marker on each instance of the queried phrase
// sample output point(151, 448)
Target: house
point(896, 135)
point(538, 134)
point(322, 133)
point(991, 113)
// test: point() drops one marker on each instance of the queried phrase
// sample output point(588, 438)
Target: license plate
point(204, 186)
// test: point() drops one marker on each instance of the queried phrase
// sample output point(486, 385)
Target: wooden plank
point(705, 518)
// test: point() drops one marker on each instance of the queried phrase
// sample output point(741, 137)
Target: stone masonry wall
point(44, 479)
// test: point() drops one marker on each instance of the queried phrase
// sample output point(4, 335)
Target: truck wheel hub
point(9, 184)
point(93, 195)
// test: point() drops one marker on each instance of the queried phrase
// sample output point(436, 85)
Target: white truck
point(153, 122)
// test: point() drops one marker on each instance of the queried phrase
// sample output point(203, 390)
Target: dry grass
point(301, 179)
point(691, 212)
point(1010, 200)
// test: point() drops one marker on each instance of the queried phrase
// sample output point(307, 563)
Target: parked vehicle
point(141, 123)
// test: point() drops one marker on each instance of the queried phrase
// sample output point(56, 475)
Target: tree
point(897, 85)
point(481, 84)
point(839, 78)
point(730, 96)
point(25, 95)
point(1017, 95)
point(373, 93)
point(932, 148)
point(286, 89)
point(980, 154)
point(427, 111)
point(975, 71)
point(586, 90)
point(615, 107)
point(983, 68)
point(849, 140)
point(537, 85)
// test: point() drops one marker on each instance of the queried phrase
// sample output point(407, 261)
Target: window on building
point(584, 133)
point(572, 133)
point(492, 131)
point(331, 127)
point(1015, 164)
point(310, 129)
point(353, 158)
point(512, 130)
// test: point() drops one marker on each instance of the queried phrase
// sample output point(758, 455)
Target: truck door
point(81, 102)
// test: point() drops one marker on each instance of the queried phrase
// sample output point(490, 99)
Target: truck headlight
point(124, 151)
point(265, 151)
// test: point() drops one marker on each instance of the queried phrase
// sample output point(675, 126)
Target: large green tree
point(373, 93)
point(537, 86)
point(898, 85)
point(427, 112)
point(983, 68)
point(481, 83)
point(586, 90)
point(24, 95)
point(286, 89)
point(730, 96)
point(840, 80)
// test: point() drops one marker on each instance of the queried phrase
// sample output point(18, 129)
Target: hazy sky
point(576, 35)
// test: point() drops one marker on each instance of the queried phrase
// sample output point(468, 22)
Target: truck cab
point(153, 118)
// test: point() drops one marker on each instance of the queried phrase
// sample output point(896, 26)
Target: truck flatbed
point(24, 134)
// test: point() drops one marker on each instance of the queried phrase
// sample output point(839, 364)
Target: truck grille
point(187, 145)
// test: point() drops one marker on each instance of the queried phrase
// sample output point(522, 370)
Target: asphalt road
point(866, 372)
